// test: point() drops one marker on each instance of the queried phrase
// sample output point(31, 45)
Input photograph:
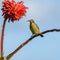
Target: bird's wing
point(36, 25)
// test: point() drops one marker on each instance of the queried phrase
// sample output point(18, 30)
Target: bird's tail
point(41, 35)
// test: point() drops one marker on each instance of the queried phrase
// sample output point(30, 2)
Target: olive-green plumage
point(34, 28)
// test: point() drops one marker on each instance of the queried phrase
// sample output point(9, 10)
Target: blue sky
point(46, 13)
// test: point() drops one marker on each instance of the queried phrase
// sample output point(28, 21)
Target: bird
point(34, 27)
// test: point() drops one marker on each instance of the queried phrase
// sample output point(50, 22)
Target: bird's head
point(31, 21)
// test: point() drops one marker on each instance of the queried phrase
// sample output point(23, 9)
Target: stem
point(2, 38)
point(27, 41)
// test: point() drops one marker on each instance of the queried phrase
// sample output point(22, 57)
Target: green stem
point(2, 38)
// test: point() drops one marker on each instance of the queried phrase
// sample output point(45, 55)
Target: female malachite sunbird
point(34, 27)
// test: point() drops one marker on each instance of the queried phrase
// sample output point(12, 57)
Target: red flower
point(13, 11)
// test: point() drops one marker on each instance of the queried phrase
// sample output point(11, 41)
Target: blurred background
point(46, 13)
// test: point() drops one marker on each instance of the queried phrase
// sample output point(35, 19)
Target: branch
point(27, 41)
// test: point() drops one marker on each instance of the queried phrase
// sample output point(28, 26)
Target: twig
point(27, 41)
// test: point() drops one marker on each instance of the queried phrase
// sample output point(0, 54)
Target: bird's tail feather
point(41, 35)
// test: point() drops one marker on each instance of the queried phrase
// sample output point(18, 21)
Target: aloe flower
point(12, 10)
